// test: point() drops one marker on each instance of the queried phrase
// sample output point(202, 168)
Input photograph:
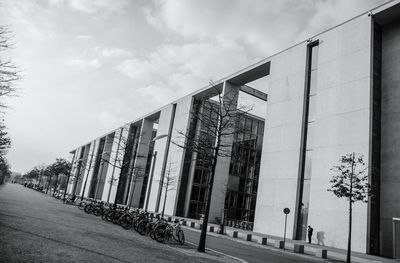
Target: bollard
point(248, 237)
point(321, 253)
point(235, 234)
point(298, 248)
point(279, 244)
point(262, 241)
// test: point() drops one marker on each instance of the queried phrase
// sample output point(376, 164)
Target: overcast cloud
point(90, 66)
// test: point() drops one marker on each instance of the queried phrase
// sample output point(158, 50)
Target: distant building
point(336, 93)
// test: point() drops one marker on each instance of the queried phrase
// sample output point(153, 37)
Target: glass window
point(195, 193)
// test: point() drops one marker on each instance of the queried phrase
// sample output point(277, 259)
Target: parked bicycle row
point(142, 222)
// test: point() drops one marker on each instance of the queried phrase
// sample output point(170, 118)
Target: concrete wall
point(175, 155)
point(89, 174)
point(111, 182)
point(159, 147)
point(230, 99)
point(89, 167)
point(277, 183)
point(341, 127)
point(390, 136)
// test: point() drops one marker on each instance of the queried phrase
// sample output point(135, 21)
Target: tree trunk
point(202, 241)
point(133, 190)
point(348, 258)
point(165, 199)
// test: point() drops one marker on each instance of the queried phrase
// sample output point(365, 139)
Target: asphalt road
point(247, 252)
point(35, 227)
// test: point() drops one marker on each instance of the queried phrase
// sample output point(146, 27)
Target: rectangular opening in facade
point(306, 152)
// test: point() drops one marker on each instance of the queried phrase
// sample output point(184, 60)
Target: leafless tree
point(9, 72)
point(168, 183)
point(217, 120)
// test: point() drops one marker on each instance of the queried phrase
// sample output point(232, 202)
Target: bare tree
point(218, 119)
point(9, 73)
point(351, 182)
point(168, 183)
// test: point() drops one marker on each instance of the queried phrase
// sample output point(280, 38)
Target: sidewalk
point(273, 242)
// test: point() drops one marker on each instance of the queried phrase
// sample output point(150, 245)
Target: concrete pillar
point(88, 169)
point(230, 97)
point(104, 166)
point(140, 163)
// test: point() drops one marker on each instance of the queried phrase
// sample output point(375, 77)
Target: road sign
point(286, 211)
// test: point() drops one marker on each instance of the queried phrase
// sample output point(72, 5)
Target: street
point(246, 252)
point(35, 227)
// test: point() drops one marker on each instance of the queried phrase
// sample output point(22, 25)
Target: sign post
point(286, 211)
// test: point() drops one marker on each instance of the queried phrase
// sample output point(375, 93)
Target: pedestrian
point(310, 231)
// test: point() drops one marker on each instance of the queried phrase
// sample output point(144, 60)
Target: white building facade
point(333, 94)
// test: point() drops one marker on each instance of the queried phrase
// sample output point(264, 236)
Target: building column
point(140, 163)
point(230, 95)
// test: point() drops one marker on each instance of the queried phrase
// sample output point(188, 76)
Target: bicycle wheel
point(160, 233)
point(152, 234)
point(81, 205)
point(126, 221)
point(181, 236)
point(97, 210)
point(88, 208)
point(142, 227)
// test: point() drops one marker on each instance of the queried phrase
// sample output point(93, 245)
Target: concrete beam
point(254, 92)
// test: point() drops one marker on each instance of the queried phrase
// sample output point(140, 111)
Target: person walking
point(310, 232)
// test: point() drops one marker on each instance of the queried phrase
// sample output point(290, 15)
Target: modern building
point(335, 93)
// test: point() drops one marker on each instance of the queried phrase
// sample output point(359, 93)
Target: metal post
point(284, 235)
point(394, 238)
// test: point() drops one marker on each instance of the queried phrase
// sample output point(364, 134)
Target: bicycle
point(165, 231)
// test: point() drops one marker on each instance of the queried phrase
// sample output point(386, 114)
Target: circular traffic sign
point(286, 210)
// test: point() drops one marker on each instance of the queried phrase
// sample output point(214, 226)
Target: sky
point(90, 66)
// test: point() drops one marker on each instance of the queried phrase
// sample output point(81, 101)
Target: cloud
point(95, 6)
point(84, 37)
point(184, 67)
point(84, 64)
point(263, 26)
point(112, 52)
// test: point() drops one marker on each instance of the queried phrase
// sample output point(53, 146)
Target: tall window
point(240, 200)
point(308, 140)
